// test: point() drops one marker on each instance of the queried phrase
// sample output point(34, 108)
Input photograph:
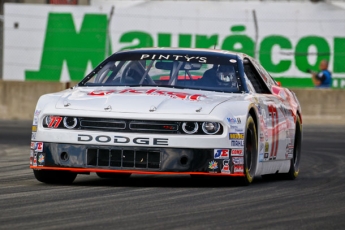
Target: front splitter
point(94, 170)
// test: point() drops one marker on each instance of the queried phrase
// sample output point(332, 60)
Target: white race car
point(169, 111)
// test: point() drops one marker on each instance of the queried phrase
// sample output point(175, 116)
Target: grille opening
point(153, 159)
point(153, 126)
point(103, 124)
point(128, 158)
point(92, 157)
point(141, 159)
point(124, 158)
point(115, 158)
point(103, 157)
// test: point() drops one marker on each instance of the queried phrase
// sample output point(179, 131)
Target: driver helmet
point(226, 73)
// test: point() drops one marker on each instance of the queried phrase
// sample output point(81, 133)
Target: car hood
point(143, 100)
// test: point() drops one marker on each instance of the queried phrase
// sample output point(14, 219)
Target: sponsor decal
point(234, 128)
point(262, 145)
point(233, 120)
point(261, 157)
point(35, 121)
point(239, 136)
point(54, 121)
point(178, 95)
point(34, 163)
point(38, 147)
point(221, 154)
point(237, 143)
point(213, 165)
point(226, 167)
point(237, 160)
point(262, 138)
point(40, 159)
point(101, 92)
point(37, 112)
point(289, 151)
point(289, 148)
point(238, 168)
point(31, 157)
point(122, 139)
point(236, 152)
point(266, 146)
point(266, 155)
point(32, 146)
point(173, 57)
point(266, 135)
point(259, 108)
point(33, 135)
point(34, 128)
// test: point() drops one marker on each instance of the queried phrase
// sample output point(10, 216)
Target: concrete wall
point(18, 100)
point(322, 106)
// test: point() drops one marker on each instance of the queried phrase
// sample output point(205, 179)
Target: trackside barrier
point(18, 101)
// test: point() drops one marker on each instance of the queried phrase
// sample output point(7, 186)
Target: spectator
point(322, 79)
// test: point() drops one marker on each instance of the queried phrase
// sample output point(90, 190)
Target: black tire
point(113, 175)
point(55, 177)
point(250, 152)
point(295, 161)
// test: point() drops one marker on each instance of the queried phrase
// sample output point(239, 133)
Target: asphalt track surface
point(316, 200)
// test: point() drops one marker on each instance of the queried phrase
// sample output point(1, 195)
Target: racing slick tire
point(250, 152)
point(55, 177)
point(295, 161)
point(113, 175)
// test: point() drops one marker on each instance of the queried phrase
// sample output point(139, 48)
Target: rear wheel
point(250, 151)
point(294, 166)
point(55, 177)
point(113, 175)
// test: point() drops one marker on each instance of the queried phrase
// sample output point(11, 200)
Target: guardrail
point(18, 101)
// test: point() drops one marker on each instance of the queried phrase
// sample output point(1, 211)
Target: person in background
point(322, 79)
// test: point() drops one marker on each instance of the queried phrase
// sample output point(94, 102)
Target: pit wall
point(18, 101)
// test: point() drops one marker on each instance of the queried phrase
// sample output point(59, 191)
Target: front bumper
point(140, 160)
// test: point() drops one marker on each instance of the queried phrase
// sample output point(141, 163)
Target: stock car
point(200, 112)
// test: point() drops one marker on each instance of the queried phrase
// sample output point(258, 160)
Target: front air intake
point(122, 158)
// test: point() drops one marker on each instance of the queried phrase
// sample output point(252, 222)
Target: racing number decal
point(55, 121)
point(273, 113)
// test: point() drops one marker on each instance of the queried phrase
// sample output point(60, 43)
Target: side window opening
point(254, 77)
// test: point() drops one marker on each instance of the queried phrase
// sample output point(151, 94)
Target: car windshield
point(168, 73)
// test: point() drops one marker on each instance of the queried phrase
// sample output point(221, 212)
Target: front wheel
point(54, 176)
point(250, 151)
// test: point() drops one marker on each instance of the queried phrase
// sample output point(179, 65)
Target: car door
point(273, 135)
